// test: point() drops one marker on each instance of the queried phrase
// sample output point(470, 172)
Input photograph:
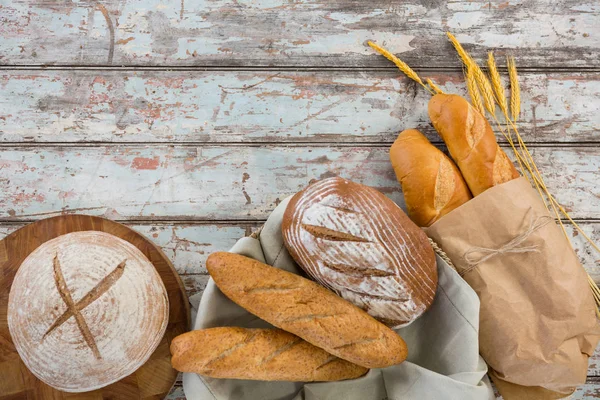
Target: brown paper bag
point(537, 321)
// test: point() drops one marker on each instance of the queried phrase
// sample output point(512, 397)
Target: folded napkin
point(443, 349)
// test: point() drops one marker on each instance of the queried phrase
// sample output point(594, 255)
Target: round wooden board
point(153, 380)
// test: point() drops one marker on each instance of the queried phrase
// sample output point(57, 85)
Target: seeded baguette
point(257, 354)
point(306, 309)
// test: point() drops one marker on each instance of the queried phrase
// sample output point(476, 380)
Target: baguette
point(306, 309)
point(257, 354)
point(431, 183)
point(471, 142)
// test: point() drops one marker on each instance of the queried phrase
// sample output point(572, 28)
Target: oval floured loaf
point(360, 244)
point(85, 310)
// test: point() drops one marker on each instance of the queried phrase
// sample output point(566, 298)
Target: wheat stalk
point(473, 91)
point(435, 87)
point(515, 89)
point(464, 56)
point(500, 97)
point(497, 83)
point(402, 66)
point(482, 82)
point(408, 71)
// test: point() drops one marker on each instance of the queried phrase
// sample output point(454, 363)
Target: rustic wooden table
point(189, 121)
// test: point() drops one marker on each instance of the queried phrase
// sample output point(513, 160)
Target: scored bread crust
point(257, 354)
point(431, 183)
point(306, 309)
point(360, 244)
point(471, 142)
point(86, 309)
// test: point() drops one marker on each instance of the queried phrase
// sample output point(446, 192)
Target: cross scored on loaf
point(74, 309)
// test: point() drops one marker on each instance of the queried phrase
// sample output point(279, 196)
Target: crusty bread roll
point(257, 354)
point(431, 183)
point(85, 310)
point(471, 142)
point(354, 240)
point(306, 309)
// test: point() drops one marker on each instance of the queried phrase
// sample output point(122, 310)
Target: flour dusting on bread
point(85, 310)
point(386, 266)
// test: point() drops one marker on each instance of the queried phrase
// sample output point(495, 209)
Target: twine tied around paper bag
point(512, 246)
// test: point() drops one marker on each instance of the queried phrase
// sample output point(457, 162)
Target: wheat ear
point(497, 83)
point(485, 87)
point(464, 56)
point(435, 87)
point(500, 93)
point(402, 66)
point(482, 82)
point(474, 92)
point(515, 89)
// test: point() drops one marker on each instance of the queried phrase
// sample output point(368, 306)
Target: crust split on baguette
point(471, 142)
point(431, 183)
point(257, 354)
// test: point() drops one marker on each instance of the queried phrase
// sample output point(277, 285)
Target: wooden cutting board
point(153, 380)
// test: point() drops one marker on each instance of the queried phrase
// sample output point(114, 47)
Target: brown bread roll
point(306, 309)
point(257, 354)
point(431, 183)
point(360, 244)
point(471, 142)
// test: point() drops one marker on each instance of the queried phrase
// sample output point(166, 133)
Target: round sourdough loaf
point(85, 310)
point(360, 244)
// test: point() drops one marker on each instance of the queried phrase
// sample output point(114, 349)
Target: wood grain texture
point(277, 107)
point(226, 182)
point(188, 245)
point(155, 377)
point(591, 390)
point(299, 33)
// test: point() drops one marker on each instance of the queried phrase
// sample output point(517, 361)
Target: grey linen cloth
point(443, 357)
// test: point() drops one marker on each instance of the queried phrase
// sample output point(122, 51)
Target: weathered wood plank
point(298, 33)
point(594, 364)
point(186, 245)
point(222, 182)
point(225, 182)
point(87, 106)
point(189, 244)
point(589, 390)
